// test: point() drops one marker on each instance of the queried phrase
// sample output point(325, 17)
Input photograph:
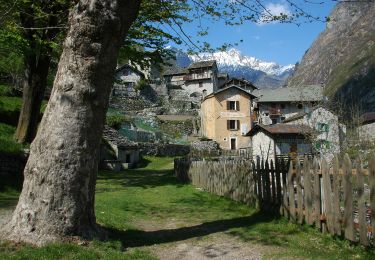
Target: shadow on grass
point(144, 178)
point(138, 238)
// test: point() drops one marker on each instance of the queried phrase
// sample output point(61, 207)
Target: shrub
point(115, 121)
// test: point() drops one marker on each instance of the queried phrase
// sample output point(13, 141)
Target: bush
point(5, 90)
point(116, 121)
point(7, 143)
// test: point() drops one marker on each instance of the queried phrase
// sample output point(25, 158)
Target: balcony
point(197, 76)
point(274, 111)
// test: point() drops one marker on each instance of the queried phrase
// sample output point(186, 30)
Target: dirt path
point(220, 245)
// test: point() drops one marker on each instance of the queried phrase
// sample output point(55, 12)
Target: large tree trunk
point(57, 198)
point(35, 82)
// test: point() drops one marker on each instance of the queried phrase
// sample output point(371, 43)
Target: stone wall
point(156, 149)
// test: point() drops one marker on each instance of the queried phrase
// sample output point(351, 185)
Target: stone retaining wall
point(156, 149)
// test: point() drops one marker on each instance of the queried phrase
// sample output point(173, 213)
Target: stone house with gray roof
point(329, 133)
point(269, 142)
point(199, 79)
point(126, 78)
point(276, 105)
point(117, 152)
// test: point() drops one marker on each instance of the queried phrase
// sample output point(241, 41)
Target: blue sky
point(282, 43)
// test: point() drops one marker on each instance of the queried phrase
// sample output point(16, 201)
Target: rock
point(342, 57)
point(205, 146)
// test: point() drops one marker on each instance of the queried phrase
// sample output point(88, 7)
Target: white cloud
point(274, 9)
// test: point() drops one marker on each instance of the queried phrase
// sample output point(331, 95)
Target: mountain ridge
point(343, 57)
point(263, 74)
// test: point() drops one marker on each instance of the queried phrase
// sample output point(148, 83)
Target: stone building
point(329, 132)
point(127, 77)
point(366, 130)
point(226, 117)
point(117, 152)
point(275, 105)
point(270, 141)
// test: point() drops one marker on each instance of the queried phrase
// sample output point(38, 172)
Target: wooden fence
point(339, 199)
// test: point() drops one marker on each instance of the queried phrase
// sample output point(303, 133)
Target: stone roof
point(130, 67)
point(225, 89)
point(202, 64)
point(115, 138)
point(295, 117)
point(222, 75)
point(281, 129)
point(175, 71)
point(308, 93)
point(368, 118)
point(238, 82)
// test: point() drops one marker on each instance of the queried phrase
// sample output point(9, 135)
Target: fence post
point(260, 186)
point(299, 192)
point(278, 170)
point(266, 174)
point(317, 195)
point(307, 191)
point(327, 196)
point(348, 199)
point(371, 177)
point(361, 204)
point(336, 195)
point(273, 184)
point(286, 211)
point(292, 203)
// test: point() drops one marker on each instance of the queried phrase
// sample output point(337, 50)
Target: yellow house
point(226, 117)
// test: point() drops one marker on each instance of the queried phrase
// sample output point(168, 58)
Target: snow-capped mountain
point(234, 58)
point(261, 73)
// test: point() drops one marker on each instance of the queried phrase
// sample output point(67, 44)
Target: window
point(322, 127)
point(274, 121)
point(233, 124)
point(200, 84)
point(233, 105)
point(299, 106)
point(126, 72)
point(204, 92)
point(282, 106)
point(322, 144)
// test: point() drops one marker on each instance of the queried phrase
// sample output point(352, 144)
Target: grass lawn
point(148, 208)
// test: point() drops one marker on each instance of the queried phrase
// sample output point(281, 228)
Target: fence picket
point(361, 204)
point(286, 209)
point(299, 192)
point(317, 195)
point(307, 189)
point(273, 183)
point(327, 196)
point(292, 204)
point(336, 196)
point(278, 182)
point(348, 199)
point(371, 169)
point(266, 174)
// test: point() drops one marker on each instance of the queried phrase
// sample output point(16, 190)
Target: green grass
point(7, 143)
point(126, 202)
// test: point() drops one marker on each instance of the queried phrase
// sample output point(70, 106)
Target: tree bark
point(57, 198)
